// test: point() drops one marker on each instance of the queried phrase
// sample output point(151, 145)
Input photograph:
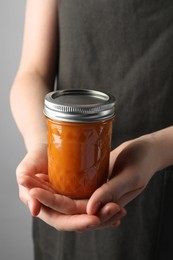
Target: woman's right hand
point(36, 192)
point(57, 210)
point(33, 171)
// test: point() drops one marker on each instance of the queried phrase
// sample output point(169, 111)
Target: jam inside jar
point(79, 141)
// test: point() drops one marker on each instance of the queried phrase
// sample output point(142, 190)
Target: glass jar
point(79, 140)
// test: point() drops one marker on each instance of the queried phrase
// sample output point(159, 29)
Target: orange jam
point(78, 156)
point(79, 140)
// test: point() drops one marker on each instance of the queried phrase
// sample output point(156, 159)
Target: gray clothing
point(124, 47)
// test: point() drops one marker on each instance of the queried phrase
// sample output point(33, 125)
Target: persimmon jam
point(78, 151)
point(78, 156)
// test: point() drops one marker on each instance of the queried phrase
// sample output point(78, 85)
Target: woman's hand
point(56, 210)
point(132, 165)
point(33, 167)
point(66, 214)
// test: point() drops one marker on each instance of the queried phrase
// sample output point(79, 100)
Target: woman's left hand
point(132, 165)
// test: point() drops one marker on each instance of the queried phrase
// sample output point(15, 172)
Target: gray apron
point(124, 47)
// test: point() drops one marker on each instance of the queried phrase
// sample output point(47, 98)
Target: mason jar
point(79, 140)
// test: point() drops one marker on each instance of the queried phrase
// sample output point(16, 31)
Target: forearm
point(37, 70)
point(27, 100)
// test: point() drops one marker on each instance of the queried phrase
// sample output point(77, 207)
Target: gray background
point(15, 219)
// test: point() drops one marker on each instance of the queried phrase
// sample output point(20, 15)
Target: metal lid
point(79, 105)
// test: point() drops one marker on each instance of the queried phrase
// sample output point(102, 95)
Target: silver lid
point(79, 105)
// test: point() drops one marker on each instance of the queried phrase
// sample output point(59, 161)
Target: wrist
point(35, 137)
point(161, 145)
point(35, 143)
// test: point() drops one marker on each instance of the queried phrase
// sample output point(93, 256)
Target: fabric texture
point(124, 47)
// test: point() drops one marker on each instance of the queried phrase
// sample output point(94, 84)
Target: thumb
point(113, 191)
point(100, 197)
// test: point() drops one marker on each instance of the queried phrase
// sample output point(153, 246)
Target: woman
point(123, 47)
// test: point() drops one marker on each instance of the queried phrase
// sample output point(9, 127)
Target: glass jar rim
point(79, 105)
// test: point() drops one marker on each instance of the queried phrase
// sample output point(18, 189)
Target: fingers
point(109, 192)
point(33, 205)
point(100, 197)
point(110, 215)
point(106, 205)
point(37, 181)
point(108, 211)
point(25, 184)
point(114, 220)
point(65, 214)
point(79, 222)
point(58, 202)
point(28, 177)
